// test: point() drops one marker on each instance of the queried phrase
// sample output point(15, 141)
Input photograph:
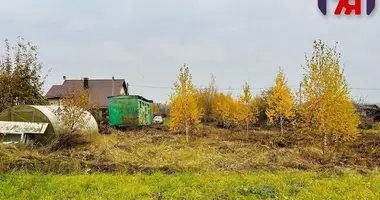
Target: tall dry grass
point(212, 149)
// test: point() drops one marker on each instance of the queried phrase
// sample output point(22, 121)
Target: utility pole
point(113, 80)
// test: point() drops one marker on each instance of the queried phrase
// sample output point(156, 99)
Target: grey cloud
point(146, 41)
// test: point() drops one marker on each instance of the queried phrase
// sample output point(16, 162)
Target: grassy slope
point(152, 150)
point(216, 162)
point(285, 185)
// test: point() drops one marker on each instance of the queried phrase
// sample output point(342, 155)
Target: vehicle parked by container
point(158, 120)
point(130, 110)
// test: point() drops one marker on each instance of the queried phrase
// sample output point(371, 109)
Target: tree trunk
point(324, 138)
point(337, 145)
point(187, 131)
point(247, 131)
point(324, 143)
point(282, 126)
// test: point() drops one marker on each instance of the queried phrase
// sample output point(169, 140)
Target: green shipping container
point(131, 110)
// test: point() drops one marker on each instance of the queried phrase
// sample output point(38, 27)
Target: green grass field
point(258, 185)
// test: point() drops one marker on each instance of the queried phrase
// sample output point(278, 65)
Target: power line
point(257, 88)
point(149, 86)
point(165, 87)
point(365, 88)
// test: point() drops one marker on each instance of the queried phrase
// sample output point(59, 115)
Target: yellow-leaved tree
point(205, 97)
point(72, 112)
point(260, 105)
point(328, 109)
point(184, 112)
point(155, 109)
point(245, 113)
point(224, 109)
point(72, 117)
point(280, 102)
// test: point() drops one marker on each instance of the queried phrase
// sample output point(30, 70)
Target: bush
point(68, 141)
point(376, 126)
point(261, 191)
point(65, 140)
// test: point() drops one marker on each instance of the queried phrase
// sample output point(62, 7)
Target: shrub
point(376, 126)
point(261, 191)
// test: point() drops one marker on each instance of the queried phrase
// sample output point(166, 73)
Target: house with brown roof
point(99, 90)
point(369, 114)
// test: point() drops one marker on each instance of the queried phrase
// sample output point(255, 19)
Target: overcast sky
point(146, 42)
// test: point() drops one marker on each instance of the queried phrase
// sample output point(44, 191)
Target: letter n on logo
point(322, 5)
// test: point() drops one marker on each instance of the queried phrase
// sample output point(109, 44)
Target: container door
point(145, 114)
point(142, 113)
point(114, 114)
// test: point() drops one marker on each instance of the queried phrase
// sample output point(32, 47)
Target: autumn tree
point(164, 109)
point(155, 109)
point(73, 118)
point(328, 109)
point(224, 109)
point(72, 112)
point(260, 105)
point(245, 113)
point(280, 102)
point(205, 97)
point(21, 80)
point(184, 112)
